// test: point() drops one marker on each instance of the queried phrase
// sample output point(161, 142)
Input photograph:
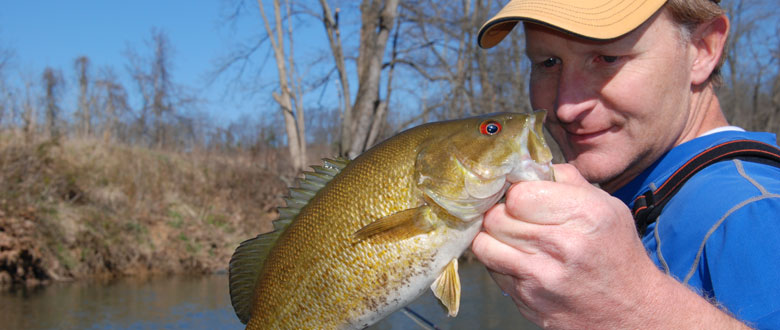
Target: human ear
point(707, 42)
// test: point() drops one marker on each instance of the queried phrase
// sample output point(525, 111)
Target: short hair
point(689, 14)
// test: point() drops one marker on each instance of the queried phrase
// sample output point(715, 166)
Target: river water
point(202, 302)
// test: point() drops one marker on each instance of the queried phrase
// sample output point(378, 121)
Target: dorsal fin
point(244, 268)
point(248, 259)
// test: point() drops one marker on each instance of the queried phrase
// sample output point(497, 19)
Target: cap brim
point(600, 20)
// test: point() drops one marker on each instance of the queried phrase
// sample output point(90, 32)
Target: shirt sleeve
point(743, 261)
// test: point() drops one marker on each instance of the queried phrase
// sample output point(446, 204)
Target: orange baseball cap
point(591, 19)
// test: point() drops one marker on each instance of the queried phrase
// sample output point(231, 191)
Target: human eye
point(609, 59)
point(550, 62)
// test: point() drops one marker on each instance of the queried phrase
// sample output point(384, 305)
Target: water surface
point(202, 302)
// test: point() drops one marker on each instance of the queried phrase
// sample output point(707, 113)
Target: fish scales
point(318, 276)
point(344, 210)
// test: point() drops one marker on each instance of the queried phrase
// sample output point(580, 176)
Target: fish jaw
point(530, 170)
point(535, 158)
point(531, 159)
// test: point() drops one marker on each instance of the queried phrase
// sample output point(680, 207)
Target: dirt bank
point(77, 209)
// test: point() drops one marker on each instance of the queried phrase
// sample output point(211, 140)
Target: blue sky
point(55, 33)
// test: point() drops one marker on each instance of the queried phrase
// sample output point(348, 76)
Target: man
point(629, 89)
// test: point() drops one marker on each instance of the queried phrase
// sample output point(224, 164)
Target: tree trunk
point(331, 22)
point(52, 81)
point(81, 65)
point(378, 18)
point(296, 139)
point(28, 116)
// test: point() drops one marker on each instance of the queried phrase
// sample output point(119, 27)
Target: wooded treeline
point(394, 63)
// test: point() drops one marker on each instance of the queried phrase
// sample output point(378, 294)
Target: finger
point(497, 256)
point(518, 234)
point(552, 203)
point(568, 174)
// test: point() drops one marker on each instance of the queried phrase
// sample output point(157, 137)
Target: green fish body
point(360, 239)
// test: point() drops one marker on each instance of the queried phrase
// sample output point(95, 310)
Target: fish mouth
point(528, 169)
point(530, 161)
point(534, 160)
point(485, 180)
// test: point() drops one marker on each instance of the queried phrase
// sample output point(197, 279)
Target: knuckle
point(491, 220)
point(478, 244)
point(520, 195)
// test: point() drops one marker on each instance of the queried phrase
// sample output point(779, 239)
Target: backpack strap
point(648, 206)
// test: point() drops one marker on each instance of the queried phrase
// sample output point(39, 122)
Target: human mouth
point(586, 137)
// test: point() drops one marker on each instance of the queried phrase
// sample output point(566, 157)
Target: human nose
point(575, 97)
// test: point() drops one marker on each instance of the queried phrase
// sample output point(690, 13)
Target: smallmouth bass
point(360, 239)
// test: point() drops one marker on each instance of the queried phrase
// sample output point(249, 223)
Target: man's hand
point(569, 256)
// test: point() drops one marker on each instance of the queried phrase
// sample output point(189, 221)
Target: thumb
point(567, 173)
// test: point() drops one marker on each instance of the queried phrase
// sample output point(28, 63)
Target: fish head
point(466, 165)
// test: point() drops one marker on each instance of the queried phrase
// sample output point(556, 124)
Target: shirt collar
point(672, 160)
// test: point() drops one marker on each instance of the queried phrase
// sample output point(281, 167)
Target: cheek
point(655, 87)
point(635, 96)
point(542, 92)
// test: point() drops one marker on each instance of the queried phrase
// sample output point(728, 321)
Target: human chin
point(596, 166)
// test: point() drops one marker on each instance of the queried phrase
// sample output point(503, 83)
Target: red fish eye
point(489, 127)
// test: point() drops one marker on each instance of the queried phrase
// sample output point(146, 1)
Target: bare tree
point(6, 55)
point(113, 101)
point(161, 99)
point(743, 94)
point(362, 118)
point(440, 46)
point(162, 86)
point(290, 92)
point(81, 65)
point(137, 69)
point(52, 83)
point(330, 20)
point(362, 121)
point(28, 112)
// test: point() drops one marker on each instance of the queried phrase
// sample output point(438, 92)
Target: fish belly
point(437, 249)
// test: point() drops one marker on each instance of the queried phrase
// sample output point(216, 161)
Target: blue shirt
point(720, 234)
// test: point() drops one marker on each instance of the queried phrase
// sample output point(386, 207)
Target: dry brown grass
point(74, 208)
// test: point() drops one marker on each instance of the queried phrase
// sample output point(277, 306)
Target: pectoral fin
point(406, 223)
point(447, 287)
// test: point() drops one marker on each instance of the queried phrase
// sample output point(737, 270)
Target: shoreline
point(82, 209)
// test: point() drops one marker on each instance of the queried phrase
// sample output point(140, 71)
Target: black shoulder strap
point(648, 206)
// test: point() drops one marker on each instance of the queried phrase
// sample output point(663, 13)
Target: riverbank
point(74, 209)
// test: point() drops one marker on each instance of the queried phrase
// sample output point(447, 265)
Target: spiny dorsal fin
point(248, 259)
point(308, 187)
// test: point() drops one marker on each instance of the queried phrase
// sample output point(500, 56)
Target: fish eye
point(489, 127)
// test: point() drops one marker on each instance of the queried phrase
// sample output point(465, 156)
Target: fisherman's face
point(615, 106)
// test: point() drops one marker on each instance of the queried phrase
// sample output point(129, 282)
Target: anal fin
point(406, 223)
point(447, 288)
